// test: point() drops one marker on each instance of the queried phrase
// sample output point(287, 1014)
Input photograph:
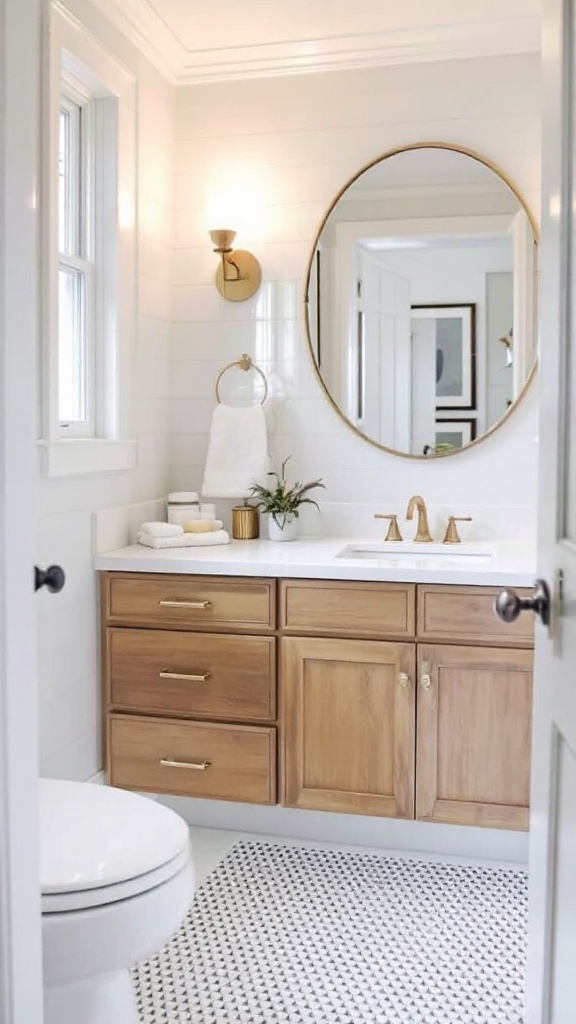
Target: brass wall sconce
point(239, 274)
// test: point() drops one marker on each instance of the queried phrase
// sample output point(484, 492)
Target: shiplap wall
point(284, 147)
point(69, 684)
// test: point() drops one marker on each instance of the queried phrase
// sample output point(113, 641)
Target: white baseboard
point(384, 833)
point(410, 837)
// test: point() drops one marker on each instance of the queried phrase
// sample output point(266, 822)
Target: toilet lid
point(93, 836)
point(89, 899)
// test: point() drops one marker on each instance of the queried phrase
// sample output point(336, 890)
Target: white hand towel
point(161, 529)
point(185, 540)
point(237, 452)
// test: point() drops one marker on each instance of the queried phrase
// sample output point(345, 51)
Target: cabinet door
point(474, 710)
point(349, 729)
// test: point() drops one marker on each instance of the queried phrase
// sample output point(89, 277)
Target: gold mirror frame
point(385, 156)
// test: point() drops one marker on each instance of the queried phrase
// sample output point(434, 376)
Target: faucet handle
point(393, 530)
point(452, 536)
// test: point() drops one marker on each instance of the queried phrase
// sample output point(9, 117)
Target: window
point(89, 253)
point(76, 271)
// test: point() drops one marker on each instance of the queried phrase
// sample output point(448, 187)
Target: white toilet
point(117, 882)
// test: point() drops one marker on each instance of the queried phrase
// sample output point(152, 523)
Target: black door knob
point(508, 605)
point(52, 578)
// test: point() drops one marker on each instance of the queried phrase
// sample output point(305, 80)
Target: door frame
point(20, 908)
point(546, 860)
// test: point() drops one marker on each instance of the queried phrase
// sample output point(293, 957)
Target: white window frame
point(76, 58)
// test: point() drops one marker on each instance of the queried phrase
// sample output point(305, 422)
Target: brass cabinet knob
point(393, 529)
point(404, 680)
point(452, 536)
point(425, 676)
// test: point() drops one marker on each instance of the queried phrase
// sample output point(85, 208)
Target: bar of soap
point(202, 526)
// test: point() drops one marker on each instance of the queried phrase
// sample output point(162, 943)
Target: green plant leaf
point(281, 499)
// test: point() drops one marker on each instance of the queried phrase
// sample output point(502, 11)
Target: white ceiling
point(210, 40)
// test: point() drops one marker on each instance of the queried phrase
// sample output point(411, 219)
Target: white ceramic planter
point(285, 528)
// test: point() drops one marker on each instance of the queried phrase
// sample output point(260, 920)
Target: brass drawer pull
point(185, 604)
point(404, 680)
point(195, 766)
point(425, 677)
point(165, 674)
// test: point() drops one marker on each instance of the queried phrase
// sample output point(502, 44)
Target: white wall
point(292, 143)
point(67, 623)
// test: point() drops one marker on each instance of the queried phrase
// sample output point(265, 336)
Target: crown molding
point(451, 42)
point(149, 34)
point(136, 20)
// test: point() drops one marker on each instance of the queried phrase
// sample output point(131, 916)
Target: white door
point(381, 378)
point(20, 947)
point(552, 939)
point(423, 419)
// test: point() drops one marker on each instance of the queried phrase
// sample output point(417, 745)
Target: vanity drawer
point(189, 602)
point(233, 762)
point(347, 609)
point(223, 676)
point(464, 614)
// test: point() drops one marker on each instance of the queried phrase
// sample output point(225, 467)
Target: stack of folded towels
point(198, 533)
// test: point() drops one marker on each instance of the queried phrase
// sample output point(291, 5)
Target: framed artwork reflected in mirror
point(454, 338)
point(455, 433)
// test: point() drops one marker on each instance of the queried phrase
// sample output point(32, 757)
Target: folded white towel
point(185, 540)
point(161, 529)
point(237, 451)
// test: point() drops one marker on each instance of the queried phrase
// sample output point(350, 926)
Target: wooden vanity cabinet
point(434, 731)
point(396, 700)
point(189, 667)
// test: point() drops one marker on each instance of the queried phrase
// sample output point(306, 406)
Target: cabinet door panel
point(349, 726)
point(473, 735)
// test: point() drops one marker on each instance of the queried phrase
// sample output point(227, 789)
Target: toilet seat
point(87, 899)
point(99, 845)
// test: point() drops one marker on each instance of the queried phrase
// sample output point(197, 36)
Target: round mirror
point(420, 300)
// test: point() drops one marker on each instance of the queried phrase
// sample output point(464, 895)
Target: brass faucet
point(422, 530)
point(393, 530)
point(452, 536)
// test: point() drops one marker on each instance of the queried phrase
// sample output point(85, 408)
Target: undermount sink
point(418, 554)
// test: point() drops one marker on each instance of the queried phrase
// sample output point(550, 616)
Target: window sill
point(82, 456)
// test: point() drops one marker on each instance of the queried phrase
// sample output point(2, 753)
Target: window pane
point(63, 173)
point(72, 405)
point(69, 179)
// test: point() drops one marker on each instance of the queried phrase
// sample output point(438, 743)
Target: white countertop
point(499, 564)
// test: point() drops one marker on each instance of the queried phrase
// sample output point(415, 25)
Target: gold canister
point(245, 522)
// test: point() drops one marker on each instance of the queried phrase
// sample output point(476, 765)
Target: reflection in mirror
point(421, 300)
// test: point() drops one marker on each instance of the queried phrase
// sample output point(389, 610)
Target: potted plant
point(282, 503)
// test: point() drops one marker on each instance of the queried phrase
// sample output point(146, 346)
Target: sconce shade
point(239, 274)
point(222, 239)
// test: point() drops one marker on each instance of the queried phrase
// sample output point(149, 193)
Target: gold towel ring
point(245, 363)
